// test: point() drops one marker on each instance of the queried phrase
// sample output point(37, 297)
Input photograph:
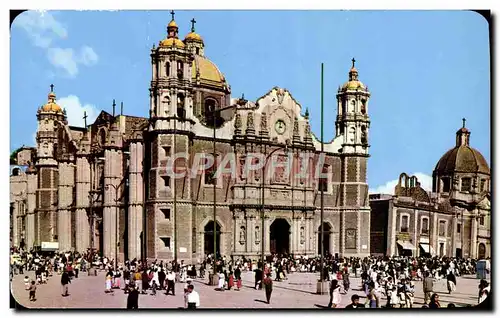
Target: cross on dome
point(193, 21)
point(463, 122)
point(173, 14)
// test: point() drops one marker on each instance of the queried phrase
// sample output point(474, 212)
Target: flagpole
point(322, 246)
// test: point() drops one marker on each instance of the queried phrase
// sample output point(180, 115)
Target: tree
point(13, 156)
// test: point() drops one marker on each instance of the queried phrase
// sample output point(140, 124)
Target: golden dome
point(193, 36)
point(353, 85)
point(172, 24)
point(51, 105)
point(208, 71)
point(171, 41)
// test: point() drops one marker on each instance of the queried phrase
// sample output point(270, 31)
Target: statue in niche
point(242, 235)
point(263, 122)
point(295, 126)
point(237, 122)
point(302, 235)
point(257, 235)
point(250, 126)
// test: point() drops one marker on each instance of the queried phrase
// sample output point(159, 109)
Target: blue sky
point(425, 69)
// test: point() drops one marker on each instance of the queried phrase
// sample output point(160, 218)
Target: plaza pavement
point(296, 292)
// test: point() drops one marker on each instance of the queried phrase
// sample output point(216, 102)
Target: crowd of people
point(385, 281)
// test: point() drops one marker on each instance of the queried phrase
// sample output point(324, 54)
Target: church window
point(363, 106)
point(441, 249)
point(405, 220)
point(210, 178)
point(166, 181)
point(16, 172)
point(197, 51)
point(459, 228)
point(481, 220)
point(180, 106)
point(323, 180)
point(167, 68)
point(465, 184)
point(210, 106)
point(167, 150)
point(352, 134)
point(425, 226)
point(180, 69)
point(166, 213)
point(442, 228)
point(166, 242)
point(446, 184)
point(352, 107)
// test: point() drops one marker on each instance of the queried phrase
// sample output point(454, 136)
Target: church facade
point(453, 220)
point(106, 186)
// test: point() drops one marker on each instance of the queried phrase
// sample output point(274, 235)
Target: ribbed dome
point(462, 159)
point(171, 42)
point(208, 71)
point(51, 105)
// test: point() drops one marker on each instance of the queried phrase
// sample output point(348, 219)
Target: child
point(26, 283)
point(32, 290)
point(44, 278)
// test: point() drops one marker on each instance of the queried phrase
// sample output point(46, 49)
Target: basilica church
point(105, 186)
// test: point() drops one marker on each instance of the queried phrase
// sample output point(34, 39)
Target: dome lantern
point(51, 105)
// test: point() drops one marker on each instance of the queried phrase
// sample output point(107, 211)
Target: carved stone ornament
point(257, 235)
point(280, 93)
point(455, 182)
point(237, 122)
point(250, 127)
point(295, 127)
point(263, 122)
point(302, 235)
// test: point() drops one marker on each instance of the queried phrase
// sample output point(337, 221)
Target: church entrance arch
point(326, 239)
point(208, 238)
point(481, 254)
point(280, 237)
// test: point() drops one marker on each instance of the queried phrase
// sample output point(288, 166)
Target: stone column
point(82, 204)
point(473, 238)
point(136, 199)
point(416, 232)
point(112, 192)
point(15, 227)
point(30, 218)
point(267, 235)
point(65, 200)
point(433, 238)
point(454, 237)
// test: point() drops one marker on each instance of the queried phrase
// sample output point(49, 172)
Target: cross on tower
point(173, 14)
point(114, 104)
point(85, 118)
point(193, 21)
point(51, 88)
point(463, 121)
point(353, 61)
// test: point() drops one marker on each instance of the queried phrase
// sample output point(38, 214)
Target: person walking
point(428, 286)
point(193, 298)
point(65, 280)
point(170, 283)
point(268, 285)
point(32, 290)
point(335, 297)
point(133, 297)
point(451, 282)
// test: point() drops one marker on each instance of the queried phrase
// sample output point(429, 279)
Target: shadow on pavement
point(321, 306)
point(260, 301)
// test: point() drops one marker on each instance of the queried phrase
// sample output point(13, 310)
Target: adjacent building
point(452, 220)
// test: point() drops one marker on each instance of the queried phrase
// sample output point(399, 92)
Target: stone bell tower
point(48, 173)
point(171, 119)
point(353, 125)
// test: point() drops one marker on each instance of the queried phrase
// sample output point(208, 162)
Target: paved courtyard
point(297, 292)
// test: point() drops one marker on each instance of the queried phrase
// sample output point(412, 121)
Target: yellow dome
point(52, 107)
point(172, 24)
point(353, 85)
point(193, 36)
point(171, 41)
point(208, 71)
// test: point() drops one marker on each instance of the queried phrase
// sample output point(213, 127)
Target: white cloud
point(388, 188)
point(88, 56)
point(74, 110)
point(41, 27)
point(69, 61)
point(63, 58)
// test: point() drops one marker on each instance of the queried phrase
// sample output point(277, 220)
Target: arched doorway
point(326, 238)
point(481, 254)
point(280, 237)
point(209, 238)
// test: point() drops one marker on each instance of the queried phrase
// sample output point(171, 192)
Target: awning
point(427, 248)
point(406, 245)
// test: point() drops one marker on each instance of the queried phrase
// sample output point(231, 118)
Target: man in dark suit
point(133, 298)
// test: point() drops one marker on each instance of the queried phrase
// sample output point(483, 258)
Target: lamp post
point(115, 187)
point(215, 111)
point(262, 201)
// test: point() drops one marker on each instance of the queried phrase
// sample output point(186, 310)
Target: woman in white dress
point(222, 280)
